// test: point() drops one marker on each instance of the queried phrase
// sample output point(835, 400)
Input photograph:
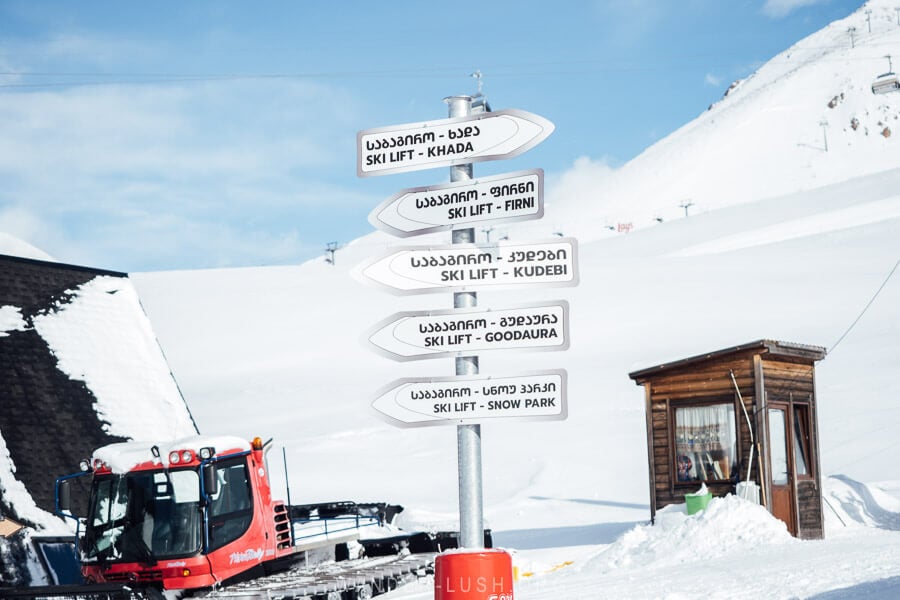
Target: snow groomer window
point(231, 509)
point(705, 443)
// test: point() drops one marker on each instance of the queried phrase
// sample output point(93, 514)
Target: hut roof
point(785, 350)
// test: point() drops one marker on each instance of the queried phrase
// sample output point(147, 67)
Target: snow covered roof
point(80, 368)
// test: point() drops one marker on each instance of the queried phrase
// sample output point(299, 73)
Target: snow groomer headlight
point(180, 456)
point(207, 452)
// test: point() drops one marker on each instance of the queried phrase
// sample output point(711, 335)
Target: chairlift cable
point(866, 308)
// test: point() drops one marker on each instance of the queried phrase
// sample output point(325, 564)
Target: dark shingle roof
point(48, 421)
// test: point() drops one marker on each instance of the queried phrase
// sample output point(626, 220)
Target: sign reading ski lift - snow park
point(448, 142)
point(462, 267)
point(414, 402)
point(420, 335)
point(503, 198)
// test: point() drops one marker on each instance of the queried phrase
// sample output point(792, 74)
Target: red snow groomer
point(194, 513)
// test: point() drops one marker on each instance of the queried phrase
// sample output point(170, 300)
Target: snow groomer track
point(349, 580)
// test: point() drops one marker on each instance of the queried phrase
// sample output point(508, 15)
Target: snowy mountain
point(784, 240)
point(804, 120)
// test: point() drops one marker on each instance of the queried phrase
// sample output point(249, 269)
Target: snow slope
point(766, 138)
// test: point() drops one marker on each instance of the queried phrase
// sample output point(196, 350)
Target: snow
point(13, 246)
point(97, 339)
point(15, 493)
point(785, 241)
point(124, 456)
point(11, 320)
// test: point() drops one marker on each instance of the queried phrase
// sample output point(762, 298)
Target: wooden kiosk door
point(780, 465)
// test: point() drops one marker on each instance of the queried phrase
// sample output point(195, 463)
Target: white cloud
point(777, 9)
point(712, 80)
point(91, 172)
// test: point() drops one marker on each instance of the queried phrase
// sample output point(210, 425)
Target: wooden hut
point(746, 413)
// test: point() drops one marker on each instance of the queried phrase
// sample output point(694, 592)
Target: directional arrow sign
point(416, 402)
point(417, 335)
point(447, 142)
point(459, 267)
point(509, 197)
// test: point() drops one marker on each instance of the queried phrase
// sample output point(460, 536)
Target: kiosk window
point(705, 443)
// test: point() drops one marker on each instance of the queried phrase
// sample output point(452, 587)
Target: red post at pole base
point(473, 575)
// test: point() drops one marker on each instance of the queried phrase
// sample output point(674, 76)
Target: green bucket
point(697, 502)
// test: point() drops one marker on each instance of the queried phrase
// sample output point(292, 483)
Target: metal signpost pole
point(468, 437)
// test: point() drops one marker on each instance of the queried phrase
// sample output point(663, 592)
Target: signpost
point(419, 335)
point(420, 401)
point(459, 267)
point(471, 134)
point(448, 142)
point(510, 197)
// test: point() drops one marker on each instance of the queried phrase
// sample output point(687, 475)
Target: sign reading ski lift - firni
point(448, 142)
point(502, 198)
point(461, 267)
point(416, 402)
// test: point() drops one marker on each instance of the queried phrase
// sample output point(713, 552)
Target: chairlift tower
point(823, 124)
point(686, 204)
point(869, 19)
point(330, 249)
point(852, 32)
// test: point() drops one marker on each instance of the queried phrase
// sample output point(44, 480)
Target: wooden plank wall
point(709, 382)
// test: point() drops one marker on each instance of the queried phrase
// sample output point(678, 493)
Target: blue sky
point(182, 135)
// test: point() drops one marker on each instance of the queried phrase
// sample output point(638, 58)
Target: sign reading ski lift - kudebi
point(420, 335)
point(462, 267)
point(503, 198)
point(416, 402)
point(448, 142)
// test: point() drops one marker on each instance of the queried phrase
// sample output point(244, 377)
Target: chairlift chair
point(886, 82)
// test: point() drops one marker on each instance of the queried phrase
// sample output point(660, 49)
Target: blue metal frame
point(58, 512)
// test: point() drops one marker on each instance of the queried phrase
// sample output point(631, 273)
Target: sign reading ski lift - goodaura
point(415, 402)
point(503, 198)
point(419, 335)
point(457, 267)
point(448, 142)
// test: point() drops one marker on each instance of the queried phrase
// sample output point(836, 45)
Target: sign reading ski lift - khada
point(415, 402)
point(448, 142)
point(420, 335)
point(503, 198)
point(461, 267)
